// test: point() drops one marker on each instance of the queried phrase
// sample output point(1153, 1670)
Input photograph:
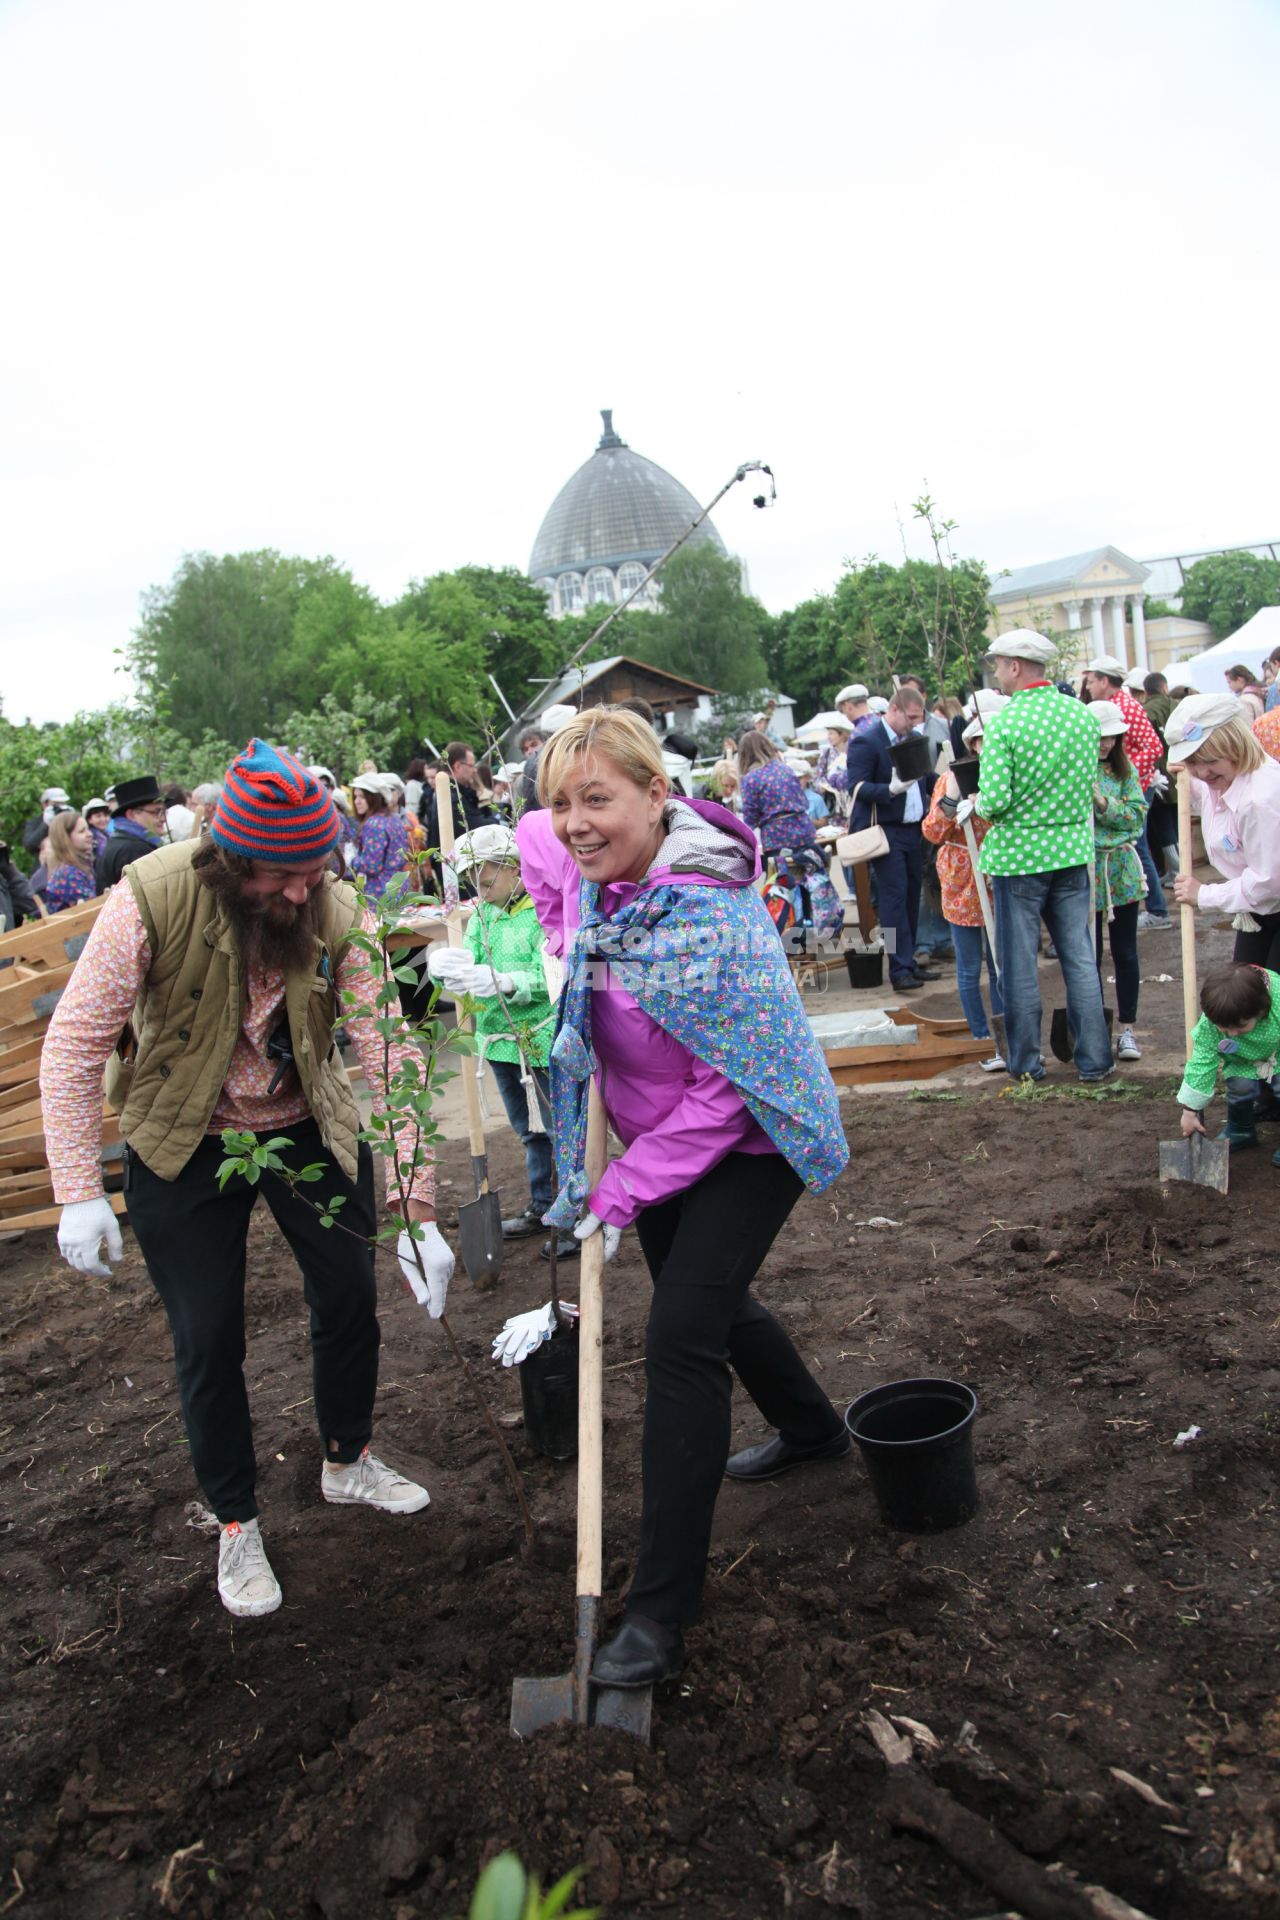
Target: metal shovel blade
point(480, 1237)
point(1061, 1045)
point(1200, 1160)
point(569, 1699)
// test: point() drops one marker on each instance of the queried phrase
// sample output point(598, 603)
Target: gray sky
point(355, 280)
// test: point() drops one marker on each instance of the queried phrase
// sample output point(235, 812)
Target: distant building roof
point(617, 507)
point(1049, 576)
point(1168, 571)
point(578, 679)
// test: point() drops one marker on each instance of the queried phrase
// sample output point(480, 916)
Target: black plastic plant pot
point(549, 1390)
point(967, 773)
point(912, 758)
point(866, 966)
point(916, 1437)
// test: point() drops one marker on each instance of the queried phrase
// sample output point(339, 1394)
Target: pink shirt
point(1241, 829)
point(676, 1116)
point(99, 998)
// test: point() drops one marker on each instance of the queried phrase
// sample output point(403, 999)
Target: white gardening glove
point(965, 810)
point(482, 983)
point(524, 1333)
point(454, 968)
point(588, 1225)
point(84, 1224)
point(1159, 781)
point(444, 963)
point(437, 1263)
point(899, 786)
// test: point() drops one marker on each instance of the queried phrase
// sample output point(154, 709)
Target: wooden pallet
point(940, 1046)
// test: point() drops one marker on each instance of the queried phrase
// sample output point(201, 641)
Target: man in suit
point(900, 806)
point(137, 828)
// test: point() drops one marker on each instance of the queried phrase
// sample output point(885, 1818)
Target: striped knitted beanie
point(271, 808)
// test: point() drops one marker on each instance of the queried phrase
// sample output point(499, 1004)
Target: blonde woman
point(722, 1100)
point(70, 863)
point(1235, 788)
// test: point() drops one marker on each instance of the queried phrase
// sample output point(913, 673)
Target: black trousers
point(703, 1249)
point(193, 1239)
point(898, 876)
point(1261, 949)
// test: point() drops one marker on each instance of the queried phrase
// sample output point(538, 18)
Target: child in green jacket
point(500, 968)
point(1239, 1029)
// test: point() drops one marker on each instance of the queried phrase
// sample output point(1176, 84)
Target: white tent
point(1248, 647)
point(816, 728)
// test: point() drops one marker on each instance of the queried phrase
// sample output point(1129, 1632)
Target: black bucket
point(967, 773)
point(916, 1437)
point(549, 1391)
point(866, 966)
point(912, 758)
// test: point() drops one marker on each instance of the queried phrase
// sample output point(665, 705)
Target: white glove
point(965, 810)
point(1159, 781)
point(454, 968)
point(349, 855)
point(899, 786)
point(524, 1333)
point(437, 1264)
point(83, 1225)
point(588, 1225)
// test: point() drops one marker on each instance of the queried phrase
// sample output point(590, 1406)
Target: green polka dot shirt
point(1039, 769)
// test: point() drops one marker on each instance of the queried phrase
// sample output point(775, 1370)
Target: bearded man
point(223, 963)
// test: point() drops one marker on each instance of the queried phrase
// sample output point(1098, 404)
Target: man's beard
point(272, 934)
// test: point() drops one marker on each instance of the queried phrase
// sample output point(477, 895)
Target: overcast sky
point(355, 279)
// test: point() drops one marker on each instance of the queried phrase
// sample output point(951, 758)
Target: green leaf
point(557, 1899)
point(500, 1891)
point(225, 1172)
point(252, 1172)
point(311, 1173)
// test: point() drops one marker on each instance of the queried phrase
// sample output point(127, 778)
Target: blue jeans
point(538, 1157)
point(933, 933)
point(971, 944)
point(1155, 900)
point(1061, 899)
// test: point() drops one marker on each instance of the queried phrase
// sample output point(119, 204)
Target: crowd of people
point(230, 951)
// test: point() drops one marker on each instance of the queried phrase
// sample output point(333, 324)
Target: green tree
point(498, 620)
point(436, 685)
point(1226, 589)
point(232, 642)
point(707, 628)
point(340, 733)
point(808, 656)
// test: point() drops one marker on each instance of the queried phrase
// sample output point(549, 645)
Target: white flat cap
point(1108, 664)
point(1136, 680)
point(1194, 719)
point(1109, 718)
point(855, 692)
point(553, 717)
point(1023, 644)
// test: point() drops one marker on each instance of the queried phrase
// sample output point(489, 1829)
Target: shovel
point(1198, 1159)
point(569, 1699)
point(989, 927)
point(479, 1220)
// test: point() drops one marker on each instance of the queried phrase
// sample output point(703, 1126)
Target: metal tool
point(569, 1699)
point(1199, 1159)
point(479, 1220)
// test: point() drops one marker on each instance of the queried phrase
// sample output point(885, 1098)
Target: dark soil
point(1112, 1605)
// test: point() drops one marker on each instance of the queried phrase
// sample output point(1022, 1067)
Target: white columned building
point(1057, 596)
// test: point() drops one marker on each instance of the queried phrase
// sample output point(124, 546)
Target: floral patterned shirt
point(960, 904)
point(773, 802)
point(67, 887)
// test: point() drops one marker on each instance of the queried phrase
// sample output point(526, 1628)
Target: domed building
point(608, 524)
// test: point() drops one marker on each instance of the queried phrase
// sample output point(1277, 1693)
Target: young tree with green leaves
point(1226, 589)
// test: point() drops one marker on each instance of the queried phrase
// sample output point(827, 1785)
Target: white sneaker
point(1154, 922)
point(1127, 1047)
point(367, 1483)
point(246, 1584)
point(996, 1064)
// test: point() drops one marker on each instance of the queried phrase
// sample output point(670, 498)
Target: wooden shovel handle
point(453, 922)
point(591, 1370)
point(1187, 914)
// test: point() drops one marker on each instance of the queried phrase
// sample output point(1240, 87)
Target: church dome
point(607, 526)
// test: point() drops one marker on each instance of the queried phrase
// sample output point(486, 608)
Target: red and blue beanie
point(271, 808)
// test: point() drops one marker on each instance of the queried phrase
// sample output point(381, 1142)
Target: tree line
point(301, 652)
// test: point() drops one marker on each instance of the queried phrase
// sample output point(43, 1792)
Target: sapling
point(402, 1127)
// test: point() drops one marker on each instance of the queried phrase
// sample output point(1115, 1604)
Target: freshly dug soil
point(1111, 1606)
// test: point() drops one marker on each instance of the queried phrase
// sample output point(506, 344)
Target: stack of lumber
point(36, 960)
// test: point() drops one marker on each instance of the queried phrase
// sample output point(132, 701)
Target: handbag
point(869, 843)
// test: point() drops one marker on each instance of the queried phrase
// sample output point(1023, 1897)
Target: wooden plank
point(50, 1216)
point(43, 943)
point(38, 1193)
point(32, 998)
point(20, 1095)
point(21, 1061)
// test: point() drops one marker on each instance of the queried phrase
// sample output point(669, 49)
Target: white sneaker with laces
point(368, 1483)
point(1153, 922)
point(1127, 1047)
point(996, 1064)
point(246, 1585)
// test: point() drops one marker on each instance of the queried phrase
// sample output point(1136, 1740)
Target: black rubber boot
point(1241, 1130)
